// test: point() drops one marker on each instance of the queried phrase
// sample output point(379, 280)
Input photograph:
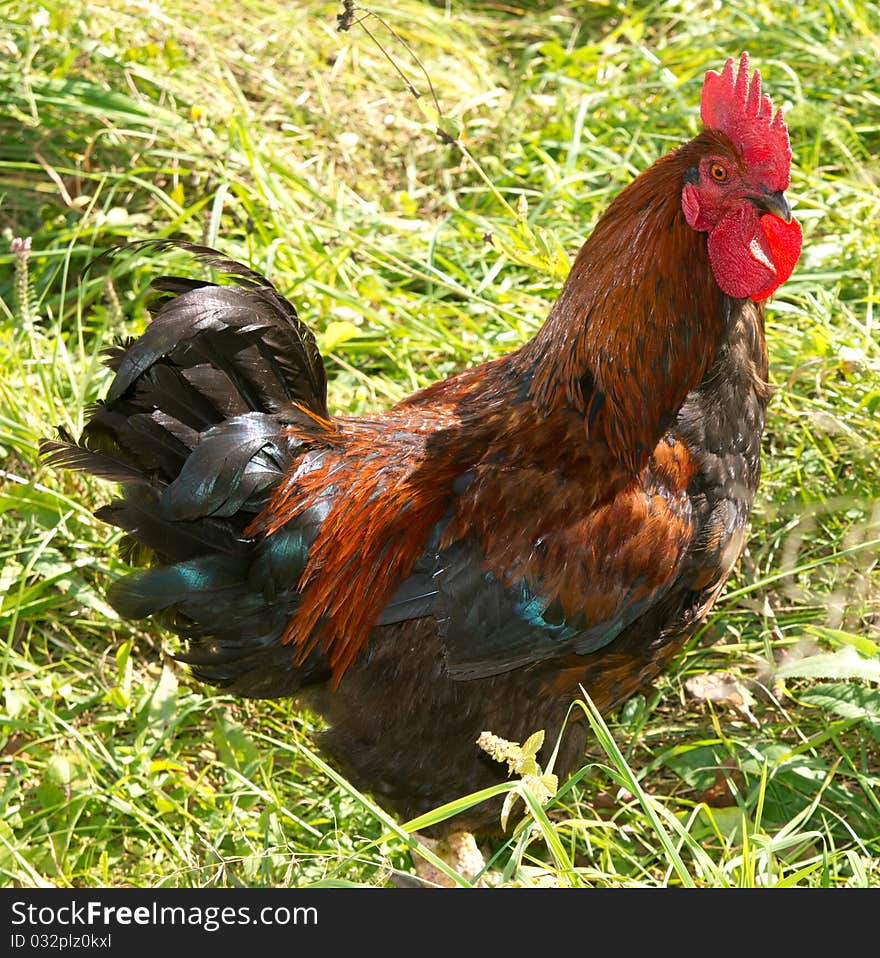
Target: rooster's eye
point(718, 173)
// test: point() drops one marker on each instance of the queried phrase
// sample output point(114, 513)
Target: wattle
point(784, 240)
point(753, 255)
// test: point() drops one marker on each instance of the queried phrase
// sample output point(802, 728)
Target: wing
point(599, 575)
point(526, 585)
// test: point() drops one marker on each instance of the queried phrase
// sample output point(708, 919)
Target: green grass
point(265, 132)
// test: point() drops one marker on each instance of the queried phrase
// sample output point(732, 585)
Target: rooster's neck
point(637, 322)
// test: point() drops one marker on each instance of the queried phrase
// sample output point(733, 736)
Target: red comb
point(736, 107)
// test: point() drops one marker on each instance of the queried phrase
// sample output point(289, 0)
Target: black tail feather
point(70, 455)
point(139, 512)
point(194, 427)
point(195, 311)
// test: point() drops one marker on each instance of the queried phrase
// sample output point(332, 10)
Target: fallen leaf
point(722, 688)
point(721, 793)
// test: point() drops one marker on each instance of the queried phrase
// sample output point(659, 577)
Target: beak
point(773, 203)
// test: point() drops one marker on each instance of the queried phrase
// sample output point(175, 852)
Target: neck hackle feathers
point(735, 105)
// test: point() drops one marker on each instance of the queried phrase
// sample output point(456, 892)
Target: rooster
point(561, 517)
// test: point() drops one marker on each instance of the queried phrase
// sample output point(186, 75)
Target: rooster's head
point(736, 190)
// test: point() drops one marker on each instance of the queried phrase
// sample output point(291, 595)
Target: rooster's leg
point(459, 850)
